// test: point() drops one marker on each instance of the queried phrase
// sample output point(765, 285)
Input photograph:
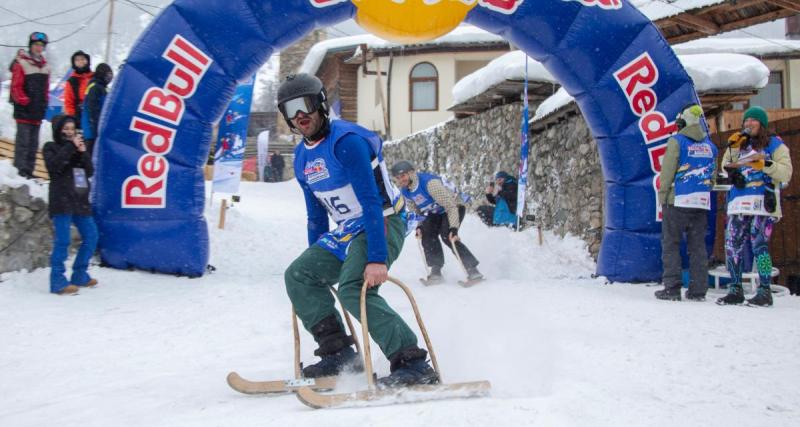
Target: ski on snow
point(395, 395)
point(279, 386)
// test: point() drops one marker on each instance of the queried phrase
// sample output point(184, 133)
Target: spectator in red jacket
point(30, 84)
point(75, 90)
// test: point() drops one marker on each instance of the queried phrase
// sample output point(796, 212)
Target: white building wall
point(404, 122)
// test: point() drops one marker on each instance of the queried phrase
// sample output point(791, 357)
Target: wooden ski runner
point(278, 386)
point(375, 395)
point(391, 396)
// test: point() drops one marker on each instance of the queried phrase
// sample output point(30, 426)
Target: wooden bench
point(7, 152)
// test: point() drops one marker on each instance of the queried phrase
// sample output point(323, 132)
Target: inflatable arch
point(182, 72)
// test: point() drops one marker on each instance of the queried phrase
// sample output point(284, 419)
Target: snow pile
point(558, 346)
point(553, 103)
point(7, 125)
point(510, 66)
point(10, 178)
point(710, 72)
point(746, 45)
point(461, 34)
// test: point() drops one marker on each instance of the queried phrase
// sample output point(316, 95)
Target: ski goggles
point(304, 104)
point(38, 37)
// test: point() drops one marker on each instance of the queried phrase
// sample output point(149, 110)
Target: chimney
point(793, 27)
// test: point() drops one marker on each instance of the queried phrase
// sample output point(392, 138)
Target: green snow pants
point(310, 275)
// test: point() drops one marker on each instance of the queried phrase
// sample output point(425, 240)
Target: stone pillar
point(26, 237)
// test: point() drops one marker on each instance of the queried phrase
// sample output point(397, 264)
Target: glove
point(737, 179)
point(758, 164)
point(453, 232)
point(736, 140)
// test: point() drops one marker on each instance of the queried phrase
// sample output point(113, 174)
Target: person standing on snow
point(427, 194)
point(758, 163)
point(70, 167)
point(30, 85)
point(687, 176)
point(96, 93)
point(340, 168)
point(75, 90)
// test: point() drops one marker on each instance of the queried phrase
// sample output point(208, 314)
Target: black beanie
point(103, 73)
point(88, 66)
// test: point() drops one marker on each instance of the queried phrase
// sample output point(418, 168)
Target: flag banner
point(522, 183)
point(55, 105)
point(232, 139)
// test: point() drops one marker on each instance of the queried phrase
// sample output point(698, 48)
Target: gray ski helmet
point(300, 85)
point(403, 166)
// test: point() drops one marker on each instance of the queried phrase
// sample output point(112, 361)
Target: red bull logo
point(326, 3)
point(148, 188)
point(503, 6)
point(637, 79)
point(602, 4)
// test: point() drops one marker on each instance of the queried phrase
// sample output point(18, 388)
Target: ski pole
point(422, 252)
point(458, 257)
point(365, 331)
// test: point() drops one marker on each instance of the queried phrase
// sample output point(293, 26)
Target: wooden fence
point(7, 152)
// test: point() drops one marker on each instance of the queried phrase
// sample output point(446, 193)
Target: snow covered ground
point(559, 347)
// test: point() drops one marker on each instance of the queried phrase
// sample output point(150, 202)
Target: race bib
point(698, 200)
point(79, 177)
point(747, 205)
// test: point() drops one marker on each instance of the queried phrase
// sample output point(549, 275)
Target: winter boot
point(763, 298)
point(695, 297)
point(68, 290)
point(409, 367)
point(669, 294)
point(735, 296)
point(90, 284)
point(473, 274)
point(335, 350)
point(435, 276)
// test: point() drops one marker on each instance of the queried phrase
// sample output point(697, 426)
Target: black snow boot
point(695, 297)
point(735, 296)
point(473, 274)
point(669, 294)
point(435, 276)
point(335, 350)
point(409, 367)
point(763, 298)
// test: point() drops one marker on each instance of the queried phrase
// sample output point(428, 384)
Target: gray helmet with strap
point(299, 86)
point(403, 166)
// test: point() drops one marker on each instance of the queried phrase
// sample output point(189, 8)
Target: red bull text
point(637, 79)
point(148, 188)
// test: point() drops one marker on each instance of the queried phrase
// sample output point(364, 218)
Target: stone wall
point(26, 236)
point(565, 191)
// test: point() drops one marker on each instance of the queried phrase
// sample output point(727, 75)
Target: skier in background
point(341, 170)
point(428, 194)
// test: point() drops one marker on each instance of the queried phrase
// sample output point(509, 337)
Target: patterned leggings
point(757, 228)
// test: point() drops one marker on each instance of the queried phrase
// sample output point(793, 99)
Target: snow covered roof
point(510, 66)
point(748, 46)
point(659, 9)
point(710, 72)
point(464, 35)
